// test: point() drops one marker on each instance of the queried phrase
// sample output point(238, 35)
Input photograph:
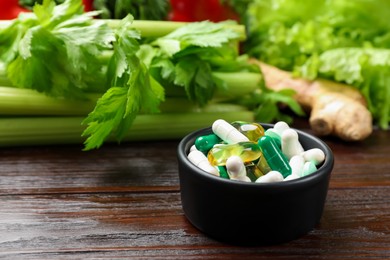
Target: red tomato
point(199, 10)
point(10, 9)
point(88, 5)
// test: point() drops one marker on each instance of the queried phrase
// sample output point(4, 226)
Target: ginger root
point(335, 108)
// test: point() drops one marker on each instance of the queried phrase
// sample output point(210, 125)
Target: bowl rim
point(323, 171)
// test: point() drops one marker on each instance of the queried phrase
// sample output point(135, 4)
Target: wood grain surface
point(123, 201)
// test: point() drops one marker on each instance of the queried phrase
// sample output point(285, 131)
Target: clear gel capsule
point(274, 156)
point(206, 142)
point(253, 172)
point(227, 132)
point(251, 130)
point(247, 151)
point(263, 165)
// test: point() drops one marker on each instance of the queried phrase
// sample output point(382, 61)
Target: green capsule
point(206, 142)
point(223, 172)
point(274, 156)
point(277, 138)
point(247, 151)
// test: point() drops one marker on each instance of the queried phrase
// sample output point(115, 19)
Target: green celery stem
point(26, 102)
point(153, 29)
point(238, 84)
point(27, 131)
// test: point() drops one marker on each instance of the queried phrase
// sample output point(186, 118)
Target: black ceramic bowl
point(253, 213)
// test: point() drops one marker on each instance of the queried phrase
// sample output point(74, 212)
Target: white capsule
point(291, 177)
point(290, 143)
point(280, 127)
point(200, 160)
point(236, 169)
point(193, 148)
point(272, 176)
point(296, 163)
point(315, 155)
point(227, 132)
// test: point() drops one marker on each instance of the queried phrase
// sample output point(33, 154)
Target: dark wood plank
point(362, 164)
point(68, 169)
point(153, 225)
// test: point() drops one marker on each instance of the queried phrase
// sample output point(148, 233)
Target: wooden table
point(123, 201)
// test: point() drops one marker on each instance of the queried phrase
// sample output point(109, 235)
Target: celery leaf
point(187, 57)
point(133, 91)
point(61, 45)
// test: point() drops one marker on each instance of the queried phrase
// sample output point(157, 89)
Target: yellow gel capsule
point(251, 130)
point(247, 151)
point(253, 172)
point(262, 165)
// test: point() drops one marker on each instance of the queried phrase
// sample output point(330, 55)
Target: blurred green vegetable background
point(347, 41)
point(343, 40)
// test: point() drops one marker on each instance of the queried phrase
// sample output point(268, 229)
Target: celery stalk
point(182, 105)
point(153, 29)
point(24, 131)
point(28, 102)
point(238, 84)
point(20, 101)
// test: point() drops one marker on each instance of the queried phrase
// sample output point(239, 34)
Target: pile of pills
point(243, 151)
